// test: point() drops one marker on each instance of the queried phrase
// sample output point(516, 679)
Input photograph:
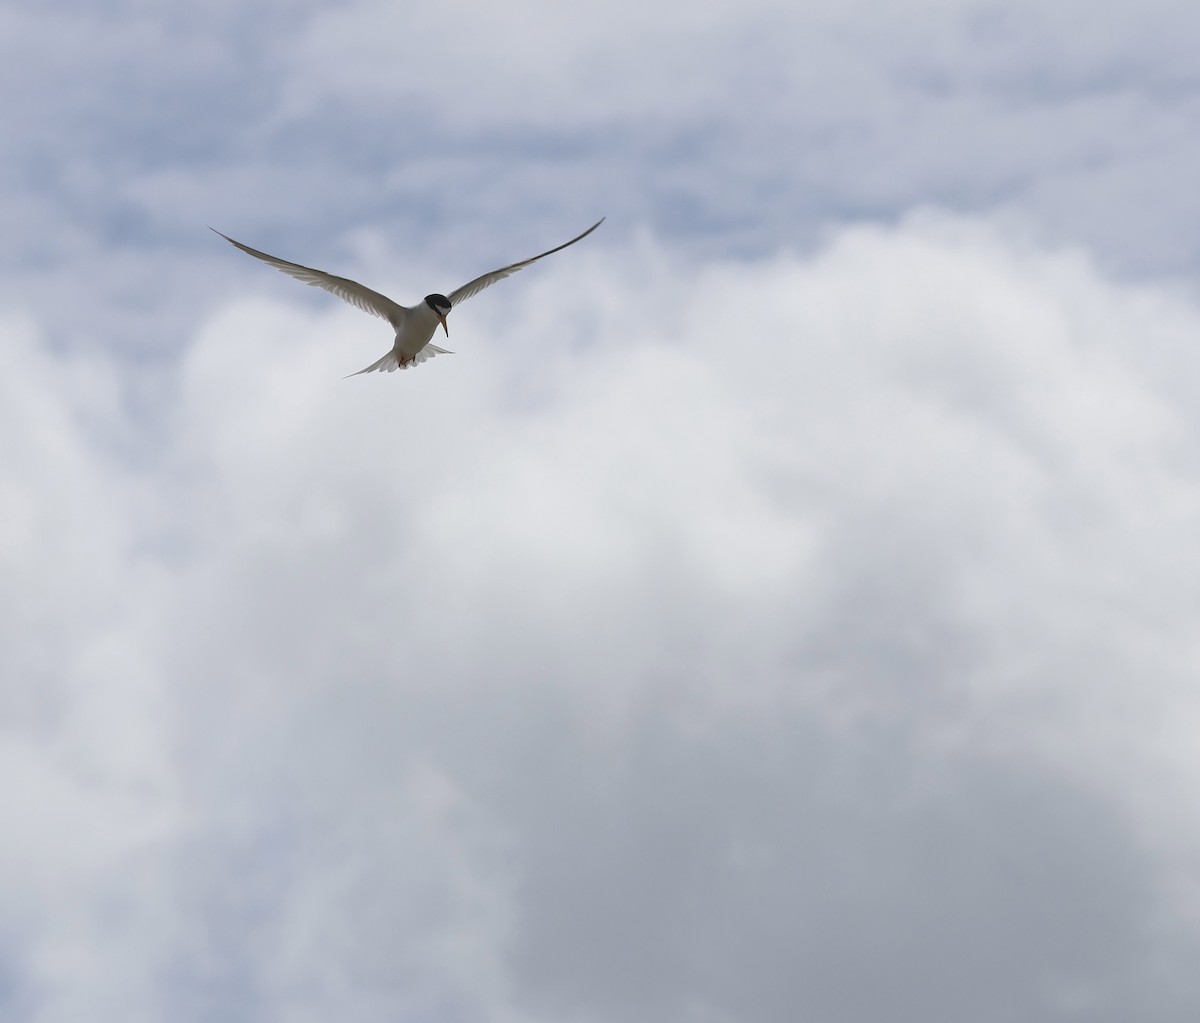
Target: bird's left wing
point(350, 291)
point(487, 280)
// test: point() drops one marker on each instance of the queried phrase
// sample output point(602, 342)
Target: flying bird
point(414, 325)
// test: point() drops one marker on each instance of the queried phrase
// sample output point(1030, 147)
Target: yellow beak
point(444, 327)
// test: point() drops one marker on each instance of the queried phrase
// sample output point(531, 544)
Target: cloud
point(761, 617)
point(740, 129)
point(704, 640)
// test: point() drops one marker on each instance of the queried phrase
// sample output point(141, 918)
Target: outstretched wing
point(487, 280)
point(350, 291)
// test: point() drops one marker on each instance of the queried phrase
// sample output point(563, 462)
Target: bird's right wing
point(350, 291)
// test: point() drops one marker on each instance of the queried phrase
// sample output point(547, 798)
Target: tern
point(414, 325)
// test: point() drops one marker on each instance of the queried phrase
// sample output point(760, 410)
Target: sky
point(781, 607)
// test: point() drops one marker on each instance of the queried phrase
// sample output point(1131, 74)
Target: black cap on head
point(438, 303)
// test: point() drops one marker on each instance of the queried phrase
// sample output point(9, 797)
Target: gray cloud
point(761, 616)
point(816, 641)
point(741, 128)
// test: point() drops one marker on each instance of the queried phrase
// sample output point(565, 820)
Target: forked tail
point(391, 362)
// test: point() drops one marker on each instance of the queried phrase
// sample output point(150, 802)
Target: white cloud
point(703, 641)
point(742, 127)
point(706, 640)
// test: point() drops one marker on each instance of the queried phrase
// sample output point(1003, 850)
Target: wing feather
point(349, 291)
point(487, 280)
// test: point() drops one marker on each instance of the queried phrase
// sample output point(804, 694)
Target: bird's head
point(440, 304)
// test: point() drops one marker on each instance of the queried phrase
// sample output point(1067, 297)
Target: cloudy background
point(783, 606)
